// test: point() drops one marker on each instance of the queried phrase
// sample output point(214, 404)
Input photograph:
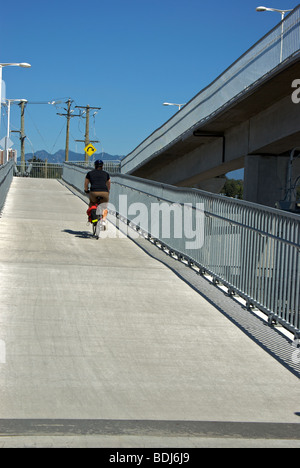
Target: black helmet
point(98, 163)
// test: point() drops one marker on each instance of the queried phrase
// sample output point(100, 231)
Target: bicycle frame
point(97, 225)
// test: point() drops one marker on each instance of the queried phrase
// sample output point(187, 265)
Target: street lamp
point(23, 65)
point(282, 12)
point(7, 140)
point(173, 104)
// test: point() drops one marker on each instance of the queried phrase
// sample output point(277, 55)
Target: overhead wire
point(64, 125)
point(44, 141)
point(33, 152)
point(95, 136)
point(57, 106)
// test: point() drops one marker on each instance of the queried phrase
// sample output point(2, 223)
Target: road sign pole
point(87, 131)
point(22, 137)
point(7, 137)
point(68, 130)
point(87, 125)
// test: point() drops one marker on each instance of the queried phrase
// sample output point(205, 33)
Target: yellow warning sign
point(90, 150)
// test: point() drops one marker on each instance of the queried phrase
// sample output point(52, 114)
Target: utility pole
point(22, 134)
point(68, 115)
point(87, 140)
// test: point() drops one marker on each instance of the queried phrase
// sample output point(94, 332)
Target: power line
point(22, 104)
point(57, 139)
point(38, 131)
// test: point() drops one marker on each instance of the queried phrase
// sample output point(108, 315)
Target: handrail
point(252, 249)
point(223, 218)
point(6, 176)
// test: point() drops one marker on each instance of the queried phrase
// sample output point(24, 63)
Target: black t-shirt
point(98, 179)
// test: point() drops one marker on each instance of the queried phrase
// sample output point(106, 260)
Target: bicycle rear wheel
point(94, 227)
point(97, 228)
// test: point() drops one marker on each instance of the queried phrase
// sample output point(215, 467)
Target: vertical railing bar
point(289, 274)
point(286, 277)
point(256, 257)
point(268, 265)
point(297, 292)
point(277, 257)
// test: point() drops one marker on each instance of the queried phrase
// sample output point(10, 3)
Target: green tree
point(233, 188)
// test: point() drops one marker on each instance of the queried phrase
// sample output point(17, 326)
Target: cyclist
point(99, 181)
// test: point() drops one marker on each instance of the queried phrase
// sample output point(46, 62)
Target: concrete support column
point(213, 185)
point(265, 179)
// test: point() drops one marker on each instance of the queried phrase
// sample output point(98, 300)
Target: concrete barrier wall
point(6, 176)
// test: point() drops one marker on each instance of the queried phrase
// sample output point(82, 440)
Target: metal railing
point(47, 170)
point(281, 44)
point(112, 167)
point(74, 173)
point(252, 249)
point(43, 170)
point(6, 176)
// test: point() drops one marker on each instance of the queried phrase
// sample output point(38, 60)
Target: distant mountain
point(59, 156)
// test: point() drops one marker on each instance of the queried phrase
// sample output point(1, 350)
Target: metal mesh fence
point(252, 249)
point(41, 170)
point(6, 176)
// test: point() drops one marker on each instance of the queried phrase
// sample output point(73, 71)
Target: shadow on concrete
point(156, 428)
point(267, 337)
point(81, 234)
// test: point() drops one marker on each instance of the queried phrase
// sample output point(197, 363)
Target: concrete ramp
point(106, 346)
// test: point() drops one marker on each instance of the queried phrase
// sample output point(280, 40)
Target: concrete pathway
point(97, 331)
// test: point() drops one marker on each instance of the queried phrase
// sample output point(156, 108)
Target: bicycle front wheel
point(98, 229)
point(94, 227)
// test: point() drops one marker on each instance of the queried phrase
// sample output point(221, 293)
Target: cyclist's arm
point(86, 184)
point(108, 185)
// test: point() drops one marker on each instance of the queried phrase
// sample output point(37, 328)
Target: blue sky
point(125, 56)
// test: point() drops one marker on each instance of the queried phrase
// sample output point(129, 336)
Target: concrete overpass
point(111, 343)
point(245, 118)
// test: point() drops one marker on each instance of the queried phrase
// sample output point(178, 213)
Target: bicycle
point(95, 214)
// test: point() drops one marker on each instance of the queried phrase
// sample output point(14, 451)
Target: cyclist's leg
point(104, 198)
point(93, 203)
point(99, 208)
point(104, 204)
point(93, 198)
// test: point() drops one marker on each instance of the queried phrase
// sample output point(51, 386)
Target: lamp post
point(173, 104)
point(9, 101)
point(282, 12)
point(23, 65)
